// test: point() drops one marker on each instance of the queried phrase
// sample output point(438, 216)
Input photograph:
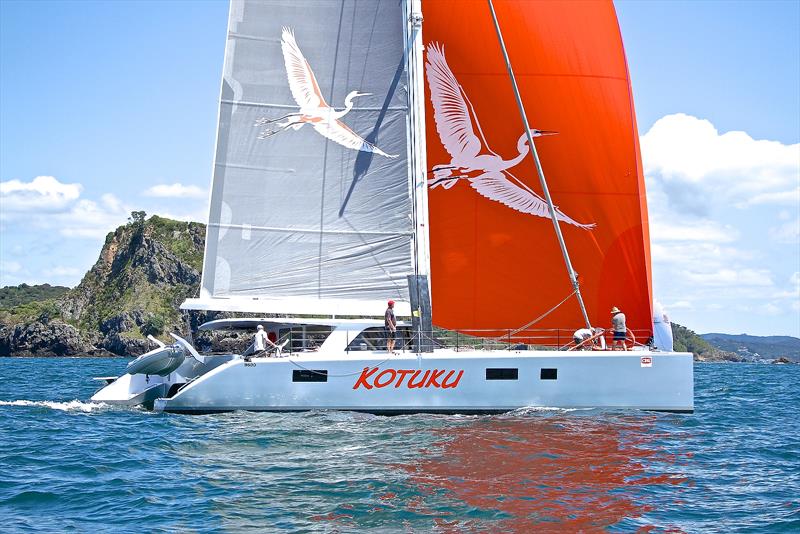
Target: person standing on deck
point(390, 326)
point(619, 328)
point(261, 340)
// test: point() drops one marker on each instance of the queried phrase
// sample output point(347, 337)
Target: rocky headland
point(145, 270)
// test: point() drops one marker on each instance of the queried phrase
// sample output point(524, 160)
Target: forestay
point(311, 204)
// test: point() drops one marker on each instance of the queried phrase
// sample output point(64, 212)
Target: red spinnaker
point(494, 266)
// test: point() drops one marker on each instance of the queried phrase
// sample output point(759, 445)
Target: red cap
point(391, 303)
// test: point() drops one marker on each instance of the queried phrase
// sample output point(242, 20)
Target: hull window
point(309, 375)
point(502, 374)
point(549, 374)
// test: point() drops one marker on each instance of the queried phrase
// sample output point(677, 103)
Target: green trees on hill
point(153, 325)
point(12, 296)
point(686, 340)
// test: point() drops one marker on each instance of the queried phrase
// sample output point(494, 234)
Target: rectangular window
point(502, 374)
point(309, 375)
point(549, 374)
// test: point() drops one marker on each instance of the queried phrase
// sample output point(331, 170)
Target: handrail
point(294, 341)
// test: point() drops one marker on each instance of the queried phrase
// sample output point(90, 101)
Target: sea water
point(66, 464)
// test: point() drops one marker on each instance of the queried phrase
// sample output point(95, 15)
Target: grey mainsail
point(312, 200)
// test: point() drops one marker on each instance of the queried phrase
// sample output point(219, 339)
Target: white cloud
point(769, 309)
point(176, 191)
point(45, 204)
point(724, 222)
point(89, 219)
point(790, 198)
point(697, 166)
point(12, 273)
point(680, 305)
point(43, 193)
point(793, 290)
point(788, 232)
point(731, 277)
point(9, 267)
point(699, 231)
point(62, 271)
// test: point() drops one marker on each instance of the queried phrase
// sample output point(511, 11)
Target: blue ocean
point(67, 465)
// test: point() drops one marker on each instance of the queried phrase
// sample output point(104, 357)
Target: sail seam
point(247, 37)
point(252, 167)
point(309, 230)
point(294, 106)
point(544, 75)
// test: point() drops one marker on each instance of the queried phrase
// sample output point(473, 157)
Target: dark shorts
point(390, 334)
point(620, 336)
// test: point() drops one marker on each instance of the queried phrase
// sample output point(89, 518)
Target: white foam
point(69, 406)
point(535, 409)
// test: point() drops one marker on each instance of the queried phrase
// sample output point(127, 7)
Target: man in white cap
point(261, 340)
point(619, 328)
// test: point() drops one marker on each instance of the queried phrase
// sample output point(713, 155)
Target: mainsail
point(495, 261)
point(313, 198)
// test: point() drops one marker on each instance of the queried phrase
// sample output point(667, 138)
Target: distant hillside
point(686, 340)
point(757, 347)
point(11, 296)
point(145, 270)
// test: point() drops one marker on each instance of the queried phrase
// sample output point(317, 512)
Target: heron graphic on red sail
point(472, 157)
point(314, 110)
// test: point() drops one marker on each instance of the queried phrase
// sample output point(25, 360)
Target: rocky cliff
point(145, 270)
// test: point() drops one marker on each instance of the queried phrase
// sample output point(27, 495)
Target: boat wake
point(531, 410)
point(68, 406)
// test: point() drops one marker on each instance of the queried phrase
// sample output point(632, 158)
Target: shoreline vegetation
point(147, 267)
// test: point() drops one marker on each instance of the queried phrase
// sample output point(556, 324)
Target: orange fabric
point(494, 267)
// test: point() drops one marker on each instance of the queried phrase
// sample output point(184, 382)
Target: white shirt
point(583, 333)
point(261, 340)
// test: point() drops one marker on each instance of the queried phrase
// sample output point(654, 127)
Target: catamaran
point(359, 160)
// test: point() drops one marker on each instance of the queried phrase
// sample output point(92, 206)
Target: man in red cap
point(390, 326)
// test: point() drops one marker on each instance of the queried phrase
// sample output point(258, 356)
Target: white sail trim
point(297, 306)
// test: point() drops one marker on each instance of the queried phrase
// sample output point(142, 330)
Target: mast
point(570, 271)
point(419, 283)
point(418, 157)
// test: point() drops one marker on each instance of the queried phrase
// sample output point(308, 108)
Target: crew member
point(262, 341)
point(581, 335)
point(619, 328)
point(390, 327)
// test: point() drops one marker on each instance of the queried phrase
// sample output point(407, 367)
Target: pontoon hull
point(446, 382)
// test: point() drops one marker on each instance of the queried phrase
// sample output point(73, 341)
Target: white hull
point(580, 380)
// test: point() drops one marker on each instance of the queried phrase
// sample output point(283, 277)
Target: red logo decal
point(436, 378)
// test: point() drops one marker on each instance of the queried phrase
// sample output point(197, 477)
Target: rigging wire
point(545, 314)
point(553, 216)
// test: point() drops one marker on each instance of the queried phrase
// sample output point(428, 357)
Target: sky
point(110, 107)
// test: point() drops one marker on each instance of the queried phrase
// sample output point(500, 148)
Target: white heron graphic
point(313, 108)
point(472, 158)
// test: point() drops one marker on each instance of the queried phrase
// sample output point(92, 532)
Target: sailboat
point(359, 161)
